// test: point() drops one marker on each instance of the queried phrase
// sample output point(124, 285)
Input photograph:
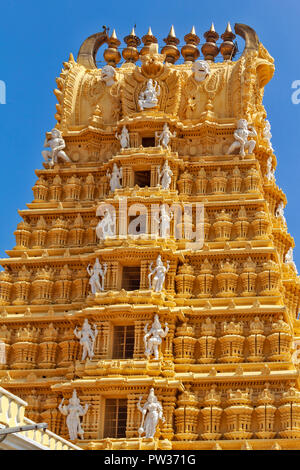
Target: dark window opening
point(142, 178)
point(131, 277)
point(123, 345)
point(138, 227)
point(115, 418)
point(148, 141)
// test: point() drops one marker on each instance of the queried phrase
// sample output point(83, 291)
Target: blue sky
point(37, 37)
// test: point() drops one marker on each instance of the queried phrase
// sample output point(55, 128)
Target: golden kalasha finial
point(111, 55)
point(228, 49)
point(190, 51)
point(210, 48)
point(148, 39)
point(171, 50)
point(130, 53)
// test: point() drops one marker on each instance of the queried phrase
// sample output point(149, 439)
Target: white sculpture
point(153, 337)
point(289, 259)
point(165, 176)
point(280, 212)
point(149, 97)
point(164, 221)
point(96, 272)
point(270, 171)
point(108, 75)
point(159, 274)
point(56, 144)
point(152, 412)
point(107, 226)
point(123, 138)
point(73, 411)
point(165, 136)
point(87, 339)
point(267, 133)
point(115, 177)
point(241, 135)
point(201, 69)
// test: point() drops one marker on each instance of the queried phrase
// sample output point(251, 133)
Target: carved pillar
point(168, 404)
point(211, 414)
point(222, 227)
point(48, 348)
point(289, 410)
point(80, 286)
point(185, 281)
point(265, 413)
point(25, 348)
point(22, 287)
point(256, 340)
point(69, 348)
point(207, 342)
point(132, 424)
point(52, 415)
point(232, 342)
point(280, 341)
point(238, 415)
point(63, 285)
point(248, 278)
point(186, 416)
point(205, 279)
point(139, 347)
point(184, 345)
point(5, 287)
point(201, 182)
point(22, 235)
point(128, 177)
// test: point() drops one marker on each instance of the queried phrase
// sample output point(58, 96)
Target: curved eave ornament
point(265, 63)
point(89, 48)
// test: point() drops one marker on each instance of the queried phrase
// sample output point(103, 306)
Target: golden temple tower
point(153, 267)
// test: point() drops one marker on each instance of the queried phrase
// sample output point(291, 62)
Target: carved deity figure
point(280, 212)
point(270, 171)
point(73, 411)
point(289, 259)
point(87, 337)
point(163, 221)
point(153, 337)
point(149, 97)
point(241, 135)
point(115, 177)
point(267, 133)
point(200, 69)
point(96, 272)
point(152, 412)
point(123, 138)
point(165, 136)
point(56, 144)
point(159, 274)
point(165, 176)
point(107, 226)
point(108, 75)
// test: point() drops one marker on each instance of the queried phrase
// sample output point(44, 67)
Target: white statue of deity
point(123, 138)
point(267, 133)
point(200, 69)
point(270, 171)
point(96, 272)
point(152, 412)
point(280, 212)
point(289, 259)
point(108, 75)
point(153, 338)
point(115, 177)
point(149, 97)
point(56, 144)
point(73, 411)
point(87, 337)
point(106, 227)
point(159, 274)
point(163, 221)
point(241, 135)
point(165, 176)
point(165, 136)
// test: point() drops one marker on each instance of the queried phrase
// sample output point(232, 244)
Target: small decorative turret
point(171, 50)
point(210, 49)
point(228, 48)
point(111, 55)
point(130, 53)
point(189, 51)
point(148, 39)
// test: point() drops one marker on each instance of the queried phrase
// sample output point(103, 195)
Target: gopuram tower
point(151, 299)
